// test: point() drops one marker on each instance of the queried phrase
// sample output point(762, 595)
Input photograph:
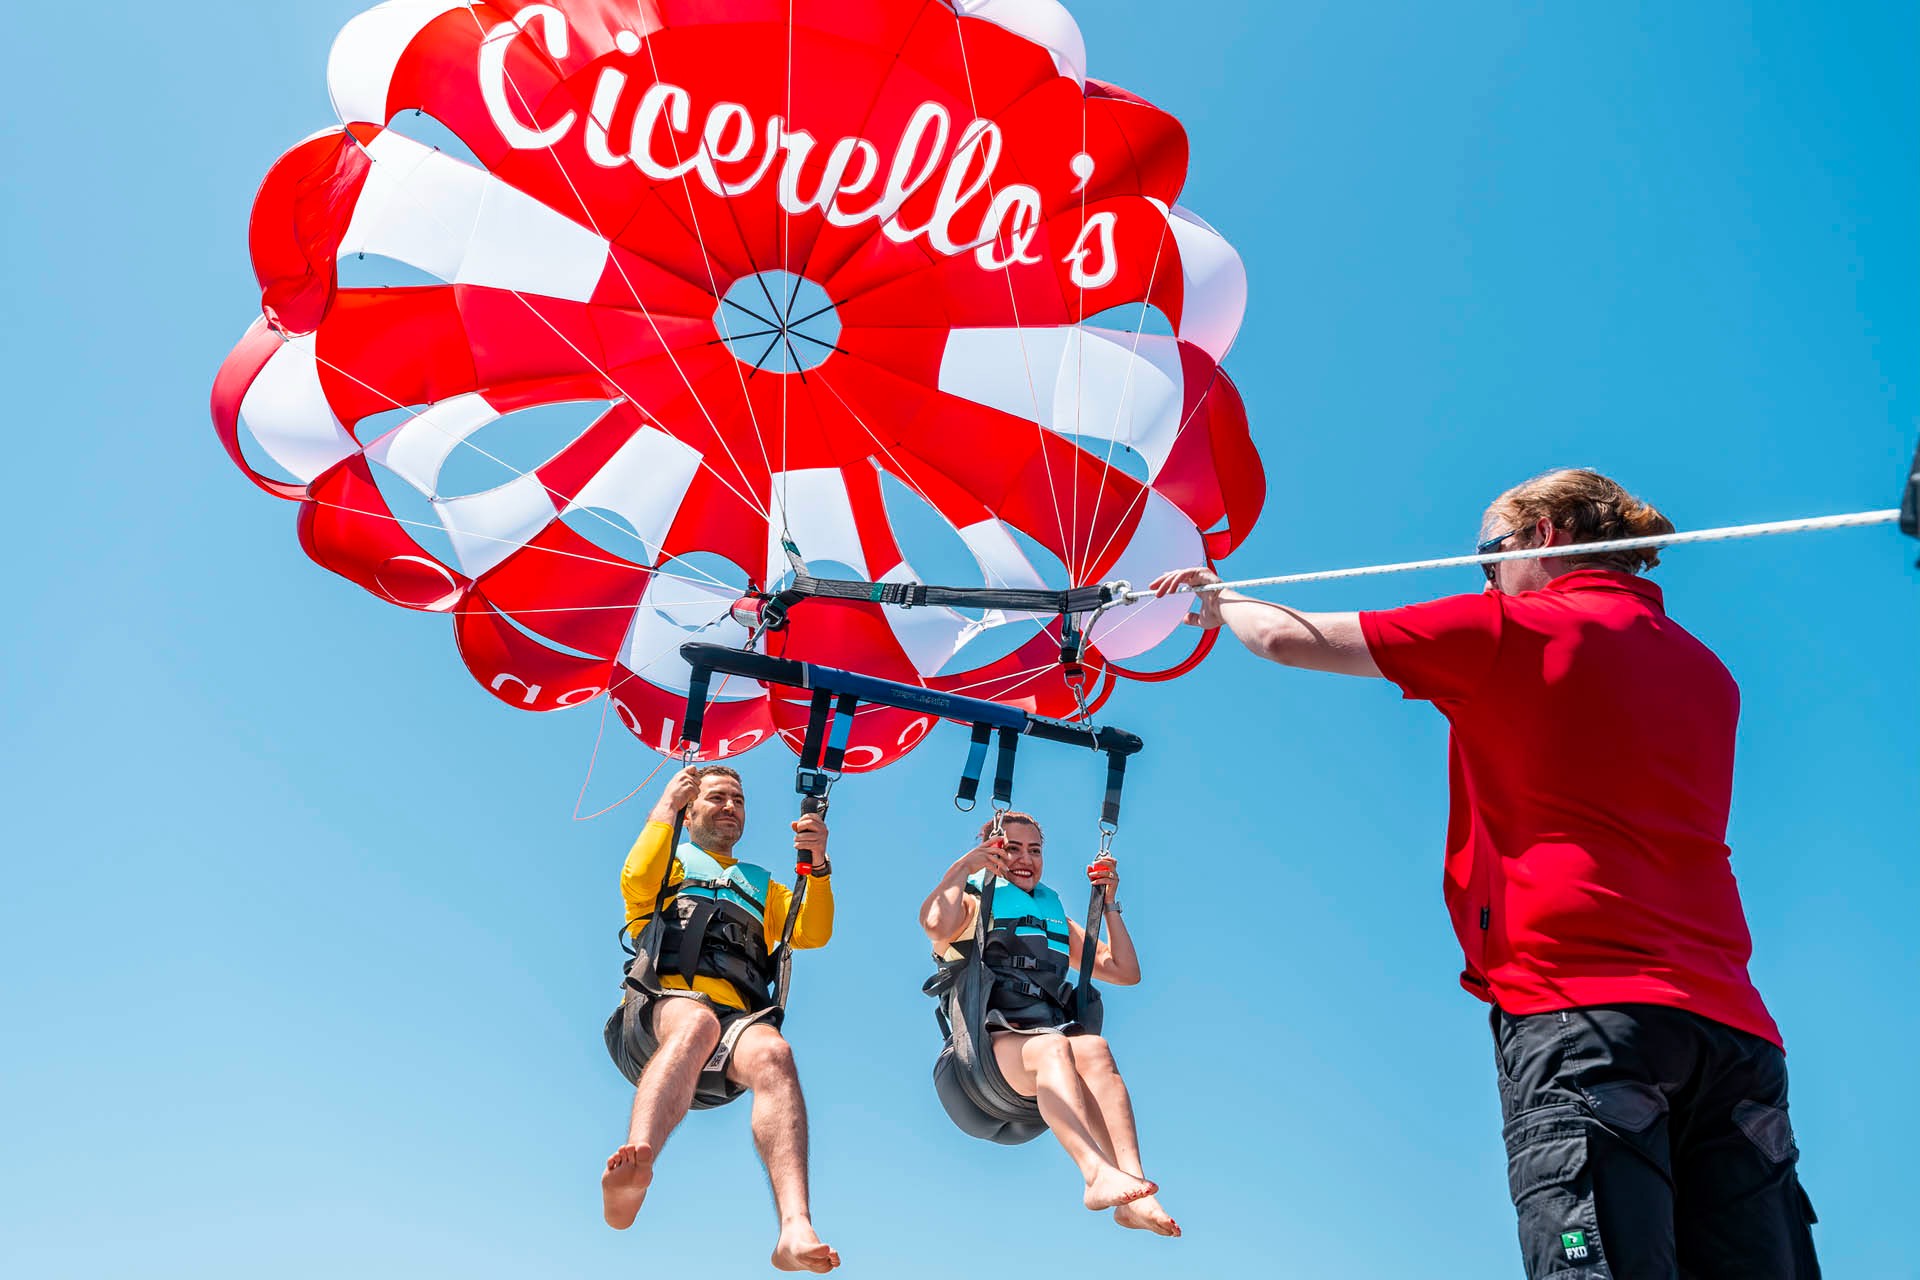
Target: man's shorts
point(1648, 1141)
point(631, 1042)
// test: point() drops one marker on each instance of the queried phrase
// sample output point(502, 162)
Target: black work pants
point(1648, 1143)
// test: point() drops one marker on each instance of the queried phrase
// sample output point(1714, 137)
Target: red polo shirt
point(1592, 769)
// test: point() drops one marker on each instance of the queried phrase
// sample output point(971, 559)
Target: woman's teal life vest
point(715, 925)
point(1028, 954)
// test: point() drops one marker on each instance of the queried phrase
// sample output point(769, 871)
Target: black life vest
point(714, 926)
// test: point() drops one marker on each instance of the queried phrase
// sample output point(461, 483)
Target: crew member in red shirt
point(1642, 1082)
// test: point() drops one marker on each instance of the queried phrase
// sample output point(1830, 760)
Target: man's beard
point(712, 839)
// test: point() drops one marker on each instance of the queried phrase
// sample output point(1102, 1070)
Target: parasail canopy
point(828, 272)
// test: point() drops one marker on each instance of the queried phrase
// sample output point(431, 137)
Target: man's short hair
point(702, 773)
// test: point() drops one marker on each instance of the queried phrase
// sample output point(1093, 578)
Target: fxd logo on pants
point(1575, 1244)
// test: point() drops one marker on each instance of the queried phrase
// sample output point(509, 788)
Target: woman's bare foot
point(800, 1250)
point(1145, 1214)
point(1111, 1188)
point(623, 1187)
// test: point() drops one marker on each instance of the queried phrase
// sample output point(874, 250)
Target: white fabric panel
point(819, 517)
point(519, 243)
point(459, 223)
point(1045, 22)
point(368, 49)
point(486, 528)
point(1165, 539)
point(645, 482)
point(418, 206)
point(671, 611)
point(1214, 284)
point(1102, 383)
point(418, 448)
point(286, 411)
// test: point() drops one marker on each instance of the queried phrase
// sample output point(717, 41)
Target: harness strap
point(693, 935)
point(976, 764)
point(1116, 778)
point(1003, 768)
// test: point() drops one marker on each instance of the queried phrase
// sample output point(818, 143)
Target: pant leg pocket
point(1552, 1189)
point(1769, 1129)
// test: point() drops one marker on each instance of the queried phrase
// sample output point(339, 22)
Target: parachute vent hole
point(778, 322)
point(1116, 455)
point(416, 512)
point(530, 629)
point(371, 271)
point(933, 549)
point(429, 132)
point(1132, 317)
point(518, 444)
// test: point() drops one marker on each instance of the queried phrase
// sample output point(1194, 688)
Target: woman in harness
point(1040, 1050)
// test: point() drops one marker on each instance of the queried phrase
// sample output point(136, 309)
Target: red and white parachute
point(811, 256)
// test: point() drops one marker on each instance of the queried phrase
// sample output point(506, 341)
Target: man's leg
point(763, 1062)
point(1114, 1129)
point(687, 1032)
point(1043, 1066)
point(1741, 1209)
point(1584, 1096)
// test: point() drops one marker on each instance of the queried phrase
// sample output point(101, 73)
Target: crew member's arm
point(652, 854)
point(1114, 960)
point(948, 912)
point(815, 926)
point(1316, 641)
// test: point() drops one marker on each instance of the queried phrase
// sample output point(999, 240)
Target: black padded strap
point(694, 724)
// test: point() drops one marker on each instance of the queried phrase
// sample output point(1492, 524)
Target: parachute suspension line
point(633, 291)
point(665, 347)
point(1120, 410)
point(1013, 301)
point(1578, 550)
point(777, 501)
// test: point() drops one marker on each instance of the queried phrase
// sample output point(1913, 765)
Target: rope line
point(1581, 550)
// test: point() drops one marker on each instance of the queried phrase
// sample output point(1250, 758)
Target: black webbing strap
point(695, 721)
point(1003, 768)
point(909, 595)
point(686, 959)
point(1116, 778)
point(964, 798)
point(1090, 944)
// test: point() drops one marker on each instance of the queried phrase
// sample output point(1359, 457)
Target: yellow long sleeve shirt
point(652, 856)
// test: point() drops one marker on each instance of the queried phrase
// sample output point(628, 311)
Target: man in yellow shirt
point(699, 1022)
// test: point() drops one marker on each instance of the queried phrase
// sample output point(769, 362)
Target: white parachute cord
point(1568, 551)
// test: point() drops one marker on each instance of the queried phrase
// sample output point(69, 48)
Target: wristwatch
point(1114, 907)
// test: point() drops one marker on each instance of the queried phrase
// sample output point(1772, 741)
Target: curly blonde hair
point(1592, 508)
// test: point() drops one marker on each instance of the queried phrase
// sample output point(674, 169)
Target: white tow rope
point(1854, 520)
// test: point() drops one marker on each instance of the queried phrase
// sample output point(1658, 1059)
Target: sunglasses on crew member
point(1490, 546)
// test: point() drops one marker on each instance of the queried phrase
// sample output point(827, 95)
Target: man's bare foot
point(1145, 1214)
point(624, 1185)
point(1111, 1188)
point(800, 1250)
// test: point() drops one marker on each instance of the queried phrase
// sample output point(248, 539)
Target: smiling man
point(1642, 1082)
point(699, 1020)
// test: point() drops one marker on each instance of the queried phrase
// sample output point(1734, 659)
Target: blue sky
point(305, 963)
